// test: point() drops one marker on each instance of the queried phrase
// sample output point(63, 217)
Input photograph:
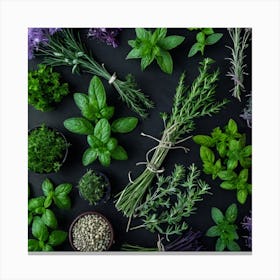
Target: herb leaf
point(57, 237)
point(124, 125)
point(39, 229)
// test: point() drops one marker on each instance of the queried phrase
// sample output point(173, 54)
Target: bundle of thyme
point(64, 49)
point(237, 66)
point(173, 200)
point(188, 105)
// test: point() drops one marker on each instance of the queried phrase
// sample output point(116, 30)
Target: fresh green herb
point(205, 37)
point(93, 186)
point(150, 46)
point(172, 201)
point(225, 228)
point(96, 126)
point(188, 105)
point(43, 218)
point(237, 65)
point(65, 49)
point(230, 147)
point(45, 88)
point(44, 241)
point(46, 150)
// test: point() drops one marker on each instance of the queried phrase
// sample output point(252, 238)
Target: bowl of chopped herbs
point(47, 149)
point(94, 187)
point(91, 232)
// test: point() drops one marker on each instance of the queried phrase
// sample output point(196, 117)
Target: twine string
point(113, 77)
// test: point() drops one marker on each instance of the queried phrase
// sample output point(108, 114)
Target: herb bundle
point(65, 49)
point(188, 105)
point(237, 66)
point(166, 208)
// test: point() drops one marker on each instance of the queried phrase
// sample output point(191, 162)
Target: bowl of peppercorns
point(91, 232)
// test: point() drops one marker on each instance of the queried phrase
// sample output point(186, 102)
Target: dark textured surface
point(161, 88)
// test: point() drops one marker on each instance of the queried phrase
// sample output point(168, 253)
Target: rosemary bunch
point(65, 49)
point(173, 200)
point(237, 66)
point(188, 105)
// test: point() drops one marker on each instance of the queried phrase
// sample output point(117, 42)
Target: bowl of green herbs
point(91, 232)
point(47, 149)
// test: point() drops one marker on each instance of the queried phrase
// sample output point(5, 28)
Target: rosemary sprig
point(65, 49)
point(197, 102)
point(237, 66)
point(173, 200)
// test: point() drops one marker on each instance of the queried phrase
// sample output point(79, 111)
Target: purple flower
point(37, 36)
point(106, 35)
point(247, 224)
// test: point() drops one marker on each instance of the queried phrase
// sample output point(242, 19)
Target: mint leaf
point(213, 231)
point(79, 126)
point(119, 153)
point(220, 245)
point(242, 196)
point(171, 42)
point(102, 130)
point(165, 62)
point(231, 213)
point(213, 38)
point(104, 158)
point(124, 125)
point(217, 215)
point(134, 53)
point(89, 156)
point(195, 48)
point(96, 93)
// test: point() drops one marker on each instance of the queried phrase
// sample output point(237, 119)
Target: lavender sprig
point(247, 112)
point(237, 66)
point(247, 224)
point(105, 35)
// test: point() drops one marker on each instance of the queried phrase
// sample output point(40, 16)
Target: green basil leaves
point(95, 124)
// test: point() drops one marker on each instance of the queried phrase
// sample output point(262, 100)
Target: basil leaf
point(40, 210)
point(33, 245)
point(47, 248)
point(213, 38)
point(231, 213)
point(208, 168)
point(227, 175)
point(39, 229)
point(165, 62)
point(220, 245)
point(170, 42)
point(30, 218)
point(132, 43)
point(204, 140)
point(141, 33)
point(231, 127)
point(79, 126)
point(228, 185)
point(102, 130)
point(134, 53)
point(81, 100)
point(48, 200)
point(233, 246)
point(249, 188)
point(96, 93)
point(107, 112)
point(146, 61)
point(234, 145)
point(207, 31)
point(158, 34)
point(200, 37)
point(63, 189)
point(57, 237)
point(217, 215)
point(47, 187)
point(194, 49)
point(213, 231)
point(222, 149)
point(104, 158)
point(247, 151)
point(232, 164)
point(242, 196)
point(112, 144)
point(243, 175)
point(62, 201)
point(119, 153)
point(245, 162)
point(35, 203)
point(89, 156)
point(49, 219)
point(124, 125)
point(206, 154)
point(93, 141)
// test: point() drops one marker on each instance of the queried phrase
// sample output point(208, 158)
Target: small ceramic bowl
point(66, 145)
point(90, 213)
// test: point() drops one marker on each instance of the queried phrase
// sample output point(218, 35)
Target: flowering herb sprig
point(105, 35)
point(37, 36)
point(198, 101)
point(247, 225)
point(66, 50)
point(237, 66)
point(247, 112)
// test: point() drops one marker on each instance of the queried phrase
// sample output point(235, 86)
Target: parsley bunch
point(45, 88)
point(154, 46)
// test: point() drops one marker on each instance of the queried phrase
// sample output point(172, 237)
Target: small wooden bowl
point(90, 213)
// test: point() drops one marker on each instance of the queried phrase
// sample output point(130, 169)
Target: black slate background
point(161, 88)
